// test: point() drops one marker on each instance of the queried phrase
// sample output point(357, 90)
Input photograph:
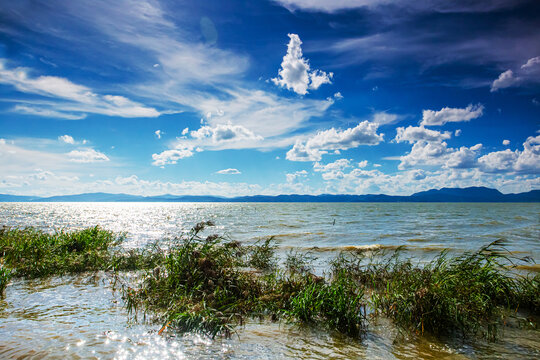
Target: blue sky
point(268, 97)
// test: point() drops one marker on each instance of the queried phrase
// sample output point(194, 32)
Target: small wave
point(296, 235)
point(370, 247)
point(488, 223)
point(532, 267)
point(418, 240)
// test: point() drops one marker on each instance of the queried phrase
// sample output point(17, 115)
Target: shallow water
point(81, 317)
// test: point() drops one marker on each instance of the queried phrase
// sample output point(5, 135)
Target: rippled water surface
point(81, 317)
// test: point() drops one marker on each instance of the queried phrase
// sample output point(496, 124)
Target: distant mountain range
point(470, 194)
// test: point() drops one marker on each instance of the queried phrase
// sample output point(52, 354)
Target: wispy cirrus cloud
point(72, 97)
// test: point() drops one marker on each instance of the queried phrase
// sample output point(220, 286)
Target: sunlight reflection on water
point(80, 317)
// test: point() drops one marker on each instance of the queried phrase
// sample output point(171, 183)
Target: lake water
point(80, 317)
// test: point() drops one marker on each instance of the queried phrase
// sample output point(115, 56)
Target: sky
point(233, 98)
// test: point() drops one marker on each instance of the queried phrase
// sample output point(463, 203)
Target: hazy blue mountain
point(470, 194)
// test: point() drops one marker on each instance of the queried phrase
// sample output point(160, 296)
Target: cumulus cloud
point(87, 156)
point(447, 114)
point(365, 133)
point(66, 139)
point(171, 156)
point(293, 177)
point(295, 73)
point(437, 153)
point(225, 132)
point(527, 73)
point(505, 79)
point(417, 174)
point(337, 165)
point(413, 134)
point(508, 161)
point(158, 133)
point(506, 142)
point(229, 171)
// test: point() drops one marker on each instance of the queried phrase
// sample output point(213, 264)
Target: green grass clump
point(199, 287)
point(261, 255)
point(528, 293)
point(207, 285)
point(337, 305)
point(33, 253)
point(467, 294)
point(5, 276)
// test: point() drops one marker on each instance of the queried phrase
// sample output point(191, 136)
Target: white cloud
point(417, 174)
point(506, 142)
point(224, 133)
point(506, 79)
point(437, 153)
point(428, 5)
point(508, 161)
point(291, 178)
point(528, 73)
point(49, 113)
point(463, 158)
point(338, 96)
point(365, 133)
point(531, 63)
point(75, 98)
point(66, 139)
point(295, 71)
point(87, 156)
point(413, 134)
point(337, 165)
point(158, 133)
point(229, 171)
point(447, 114)
point(457, 132)
point(185, 131)
point(171, 156)
point(384, 118)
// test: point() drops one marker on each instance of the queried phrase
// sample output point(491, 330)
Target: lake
point(80, 316)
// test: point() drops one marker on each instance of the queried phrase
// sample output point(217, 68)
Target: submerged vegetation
point(210, 284)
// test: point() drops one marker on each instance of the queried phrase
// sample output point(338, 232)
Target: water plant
point(469, 293)
point(5, 276)
point(33, 253)
point(208, 285)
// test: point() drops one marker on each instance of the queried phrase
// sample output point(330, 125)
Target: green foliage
point(468, 293)
point(5, 276)
point(336, 305)
point(207, 283)
point(262, 254)
point(528, 293)
point(199, 286)
point(33, 253)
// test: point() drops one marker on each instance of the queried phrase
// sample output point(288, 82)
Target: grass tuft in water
point(33, 253)
point(5, 277)
point(469, 294)
point(208, 285)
